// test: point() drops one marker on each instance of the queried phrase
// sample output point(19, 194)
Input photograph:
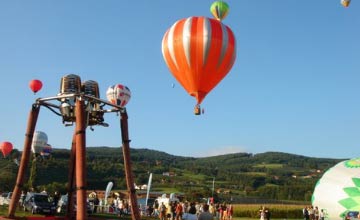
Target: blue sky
point(294, 86)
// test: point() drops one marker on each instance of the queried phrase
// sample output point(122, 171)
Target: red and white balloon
point(118, 95)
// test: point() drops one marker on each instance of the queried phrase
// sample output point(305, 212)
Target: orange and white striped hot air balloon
point(199, 52)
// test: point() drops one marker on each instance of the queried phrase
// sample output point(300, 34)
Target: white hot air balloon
point(40, 140)
point(337, 191)
point(118, 94)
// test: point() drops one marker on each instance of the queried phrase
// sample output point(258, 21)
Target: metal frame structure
point(83, 115)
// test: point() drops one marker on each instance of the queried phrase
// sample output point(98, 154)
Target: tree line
point(233, 177)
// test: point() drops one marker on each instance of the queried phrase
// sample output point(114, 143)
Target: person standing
point(316, 213)
point(267, 214)
point(305, 213)
point(230, 211)
point(205, 214)
point(322, 214)
point(162, 214)
point(56, 197)
point(262, 213)
point(312, 213)
point(178, 211)
point(96, 203)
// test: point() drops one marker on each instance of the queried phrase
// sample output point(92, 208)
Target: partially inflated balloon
point(40, 140)
point(6, 148)
point(219, 9)
point(118, 95)
point(337, 191)
point(35, 85)
point(199, 52)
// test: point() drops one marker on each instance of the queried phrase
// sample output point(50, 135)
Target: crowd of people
point(313, 213)
point(190, 211)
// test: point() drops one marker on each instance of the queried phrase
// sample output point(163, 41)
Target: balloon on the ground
point(199, 52)
point(40, 140)
point(6, 148)
point(337, 191)
point(35, 85)
point(345, 3)
point(118, 95)
point(219, 9)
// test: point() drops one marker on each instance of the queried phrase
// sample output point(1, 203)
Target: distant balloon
point(173, 85)
point(35, 85)
point(46, 151)
point(118, 95)
point(6, 148)
point(219, 9)
point(40, 140)
point(345, 3)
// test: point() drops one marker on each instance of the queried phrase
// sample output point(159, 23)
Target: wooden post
point(71, 180)
point(80, 162)
point(32, 119)
point(127, 164)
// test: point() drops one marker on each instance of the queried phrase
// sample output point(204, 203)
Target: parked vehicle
point(351, 215)
point(39, 203)
point(5, 198)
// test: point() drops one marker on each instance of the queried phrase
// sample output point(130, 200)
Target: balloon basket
point(197, 110)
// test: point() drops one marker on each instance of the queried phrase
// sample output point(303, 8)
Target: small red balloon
point(6, 148)
point(35, 85)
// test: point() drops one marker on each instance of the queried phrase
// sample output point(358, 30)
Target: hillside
point(271, 175)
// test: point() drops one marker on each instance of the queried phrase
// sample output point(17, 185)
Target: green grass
point(20, 214)
point(270, 165)
point(256, 174)
point(241, 212)
point(188, 175)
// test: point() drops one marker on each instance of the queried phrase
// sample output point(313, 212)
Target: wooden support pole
point(80, 162)
point(135, 215)
point(71, 180)
point(32, 119)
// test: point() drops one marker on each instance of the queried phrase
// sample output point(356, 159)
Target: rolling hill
point(270, 175)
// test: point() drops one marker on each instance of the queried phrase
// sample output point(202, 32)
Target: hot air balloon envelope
point(46, 151)
point(35, 85)
point(40, 140)
point(345, 3)
point(6, 148)
point(219, 9)
point(118, 95)
point(199, 52)
point(337, 191)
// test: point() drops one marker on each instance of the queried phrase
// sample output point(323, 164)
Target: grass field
point(241, 212)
